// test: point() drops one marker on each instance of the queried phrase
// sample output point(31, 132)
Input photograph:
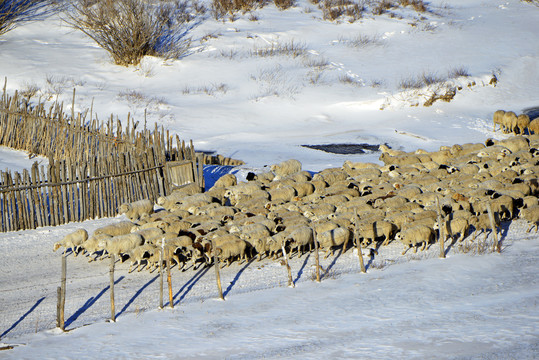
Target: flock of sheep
point(289, 209)
point(509, 122)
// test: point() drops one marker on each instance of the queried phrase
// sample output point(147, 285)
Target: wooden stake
point(112, 309)
point(496, 246)
point(285, 255)
point(161, 275)
point(169, 280)
point(217, 274)
point(61, 296)
point(316, 256)
point(358, 243)
point(441, 229)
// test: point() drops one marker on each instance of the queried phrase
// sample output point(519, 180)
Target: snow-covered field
point(261, 110)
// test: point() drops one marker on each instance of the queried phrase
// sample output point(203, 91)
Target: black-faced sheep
point(136, 209)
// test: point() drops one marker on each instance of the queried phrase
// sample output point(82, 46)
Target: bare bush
point(334, 9)
point(222, 8)
point(283, 4)
point(132, 29)
point(458, 72)
point(16, 12)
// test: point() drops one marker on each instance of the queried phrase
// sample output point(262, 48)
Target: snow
point(261, 110)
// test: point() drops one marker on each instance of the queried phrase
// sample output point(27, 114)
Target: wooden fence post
point(61, 291)
point(112, 309)
point(496, 246)
point(441, 229)
point(217, 274)
point(358, 243)
point(169, 279)
point(161, 274)
point(289, 270)
point(316, 256)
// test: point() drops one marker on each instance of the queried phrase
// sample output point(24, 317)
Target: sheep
point(91, 246)
point(299, 238)
point(330, 176)
point(137, 209)
point(509, 121)
point(498, 119)
point(415, 236)
point(303, 188)
point(72, 241)
point(453, 227)
point(531, 215)
point(120, 228)
point(175, 227)
point(177, 195)
point(120, 244)
point(140, 253)
point(534, 126)
point(370, 231)
point(286, 168)
point(283, 193)
point(332, 238)
point(226, 181)
point(392, 152)
point(149, 235)
point(481, 223)
point(227, 251)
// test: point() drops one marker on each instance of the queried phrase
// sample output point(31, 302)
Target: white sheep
point(497, 119)
point(177, 195)
point(332, 238)
point(226, 181)
point(140, 253)
point(299, 238)
point(229, 250)
point(286, 168)
point(370, 231)
point(415, 236)
point(121, 244)
point(531, 215)
point(91, 246)
point(509, 121)
point(534, 126)
point(284, 193)
point(481, 223)
point(72, 241)
point(137, 209)
point(120, 228)
point(150, 235)
point(453, 227)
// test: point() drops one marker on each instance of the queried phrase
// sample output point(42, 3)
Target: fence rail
point(93, 166)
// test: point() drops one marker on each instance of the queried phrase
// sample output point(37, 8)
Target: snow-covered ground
point(261, 110)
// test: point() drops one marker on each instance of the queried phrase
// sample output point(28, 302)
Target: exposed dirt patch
point(345, 148)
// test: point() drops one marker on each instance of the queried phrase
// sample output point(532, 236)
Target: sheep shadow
point(189, 285)
point(23, 317)
point(139, 291)
point(91, 301)
point(330, 266)
point(450, 246)
point(373, 252)
point(300, 272)
point(236, 278)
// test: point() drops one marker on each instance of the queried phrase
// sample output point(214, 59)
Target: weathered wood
point(358, 243)
point(496, 246)
point(288, 269)
point(62, 295)
point(441, 227)
point(111, 273)
point(217, 274)
point(316, 256)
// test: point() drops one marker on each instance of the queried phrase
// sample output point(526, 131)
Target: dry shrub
point(221, 8)
point(132, 29)
point(291, 48)
point(418, 5)
point(283, 4)
point(334, 9)
point(16, 12)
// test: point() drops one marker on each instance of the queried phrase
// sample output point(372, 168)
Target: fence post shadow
point(139, 291)
point(189, 284)
point(300, 272)
point(23, 317)
point(236, 278)
point(341, 251)
point(91, 301)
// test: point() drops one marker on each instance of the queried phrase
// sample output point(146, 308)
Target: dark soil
point(344, 148)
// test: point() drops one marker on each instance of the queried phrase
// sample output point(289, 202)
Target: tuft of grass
point(222, 8)
point(418, 5)
point(349, 80)
point(210, 90)
point(425, 79)
point(360, 41)
point(290, 48)
point(333, 10)
point(458, 72)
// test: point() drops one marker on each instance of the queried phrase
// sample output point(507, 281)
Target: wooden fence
point(93, 166)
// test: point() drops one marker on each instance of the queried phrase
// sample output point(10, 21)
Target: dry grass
point(425, 79)
point(335, 9)
point(360, 41)
point(222, 8)
point(132, 29)
point(210, 90)
point(290, 48)
point(284, 4)
point(458, 72)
